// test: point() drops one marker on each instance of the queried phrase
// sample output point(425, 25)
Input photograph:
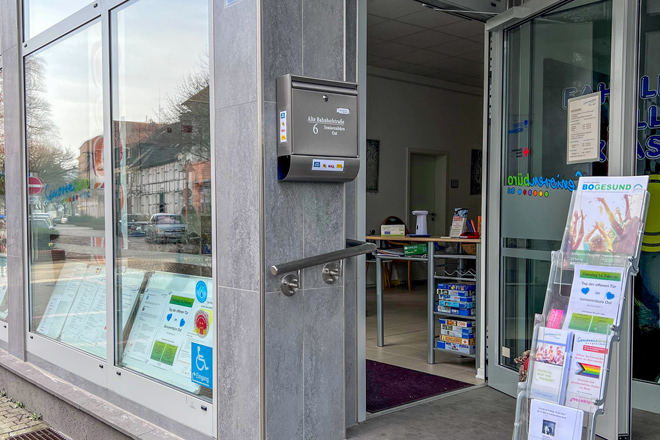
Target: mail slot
point(317, 130)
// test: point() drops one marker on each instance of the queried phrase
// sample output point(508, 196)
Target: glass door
point(558, 54)
point(646, 325)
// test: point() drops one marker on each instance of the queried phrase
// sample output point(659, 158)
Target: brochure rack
point(585, 297)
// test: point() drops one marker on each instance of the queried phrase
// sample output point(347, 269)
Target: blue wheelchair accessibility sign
point(201, 371)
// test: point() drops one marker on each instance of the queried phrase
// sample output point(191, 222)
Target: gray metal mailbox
point(318, 130)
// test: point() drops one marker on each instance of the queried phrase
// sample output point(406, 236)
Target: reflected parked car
point(136, 224)
point(166, 227)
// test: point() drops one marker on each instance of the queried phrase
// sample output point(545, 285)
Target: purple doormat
point(389, 386)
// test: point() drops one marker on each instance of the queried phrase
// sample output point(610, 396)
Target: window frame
point(188, 410)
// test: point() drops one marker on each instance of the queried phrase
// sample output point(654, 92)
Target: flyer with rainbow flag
point(588, 363)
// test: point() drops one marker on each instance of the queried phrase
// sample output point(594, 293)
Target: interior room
point(425, 79)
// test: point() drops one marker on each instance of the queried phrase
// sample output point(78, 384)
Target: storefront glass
point(561, 54)
point(4, 306)
point(162, 181)
point(42, 14)
point(646, 329)
point(64, 133)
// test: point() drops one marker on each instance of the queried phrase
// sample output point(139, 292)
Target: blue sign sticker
point(201, 371)
point(201, 291)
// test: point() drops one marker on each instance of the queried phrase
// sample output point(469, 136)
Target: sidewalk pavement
point(15, 420)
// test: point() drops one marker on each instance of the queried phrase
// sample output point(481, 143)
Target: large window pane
point(646, 330)
point(162, 182)
point(42, 14)
point(3, 225)
point(64, 129)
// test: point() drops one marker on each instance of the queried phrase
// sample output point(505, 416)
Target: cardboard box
point(455, 311)
point(459, 332)
point(459, 287)
point(456, 298)
point(456, 293)
point(460, 348)
point(456, 323)
point(455, 340)
point(394, 230)
point(456, 304)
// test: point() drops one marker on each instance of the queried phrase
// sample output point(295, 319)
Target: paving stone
point(15, 421)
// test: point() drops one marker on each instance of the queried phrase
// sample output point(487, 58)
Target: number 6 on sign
point(315, 129)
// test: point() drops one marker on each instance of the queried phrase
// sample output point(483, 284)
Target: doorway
point(427, 189)
point(424, 77)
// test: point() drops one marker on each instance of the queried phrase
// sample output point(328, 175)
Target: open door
point(543, 54)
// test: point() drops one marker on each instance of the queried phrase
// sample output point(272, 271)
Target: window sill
point(116, 418)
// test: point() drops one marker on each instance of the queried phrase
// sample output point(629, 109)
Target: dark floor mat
point(389, 386)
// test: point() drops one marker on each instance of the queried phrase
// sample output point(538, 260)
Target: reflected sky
point(70, 81)
point(42, 14)
point(162, 42)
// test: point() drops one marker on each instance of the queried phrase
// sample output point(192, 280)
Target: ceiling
point(405, 36)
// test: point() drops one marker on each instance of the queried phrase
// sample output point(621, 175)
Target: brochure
point(549, 421)
point(588, 365)
point(551, 364)
point(595, 299)
point(605, 221)
point(459, 222)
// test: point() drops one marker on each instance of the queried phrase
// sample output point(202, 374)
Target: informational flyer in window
point(583, 137)
point(85, 325)
point(61, 299)
point(587, 369)
point(606, 220)
point(595, 301)
point(549, 421)
point(174, 316)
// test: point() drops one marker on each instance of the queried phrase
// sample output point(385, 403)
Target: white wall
point(417, 113)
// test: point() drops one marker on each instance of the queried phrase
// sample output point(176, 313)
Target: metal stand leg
point(430, 336)
point(379, 302)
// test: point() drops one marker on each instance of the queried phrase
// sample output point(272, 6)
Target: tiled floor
point(405, 335)
point(477, 414)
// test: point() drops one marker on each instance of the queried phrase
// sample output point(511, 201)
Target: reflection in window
point(3, 225)
point(64, 129)
point(42, 14)
point(646, 329)
point(162, 180)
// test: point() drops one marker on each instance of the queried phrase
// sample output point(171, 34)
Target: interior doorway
point(424, 77)
point(427, 189)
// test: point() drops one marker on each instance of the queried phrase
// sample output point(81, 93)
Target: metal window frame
point(623, 129)
point(183, 408)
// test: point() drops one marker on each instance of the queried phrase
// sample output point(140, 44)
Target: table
point(430, 258)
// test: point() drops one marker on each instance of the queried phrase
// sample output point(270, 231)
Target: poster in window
point(373, 157)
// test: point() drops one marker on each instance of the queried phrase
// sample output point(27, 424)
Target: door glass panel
point(646, 329)
point(64, 132)
point(561, 54)
point(162, 181)
point(525, 283)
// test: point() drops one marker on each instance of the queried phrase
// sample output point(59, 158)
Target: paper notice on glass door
point(583, 137)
